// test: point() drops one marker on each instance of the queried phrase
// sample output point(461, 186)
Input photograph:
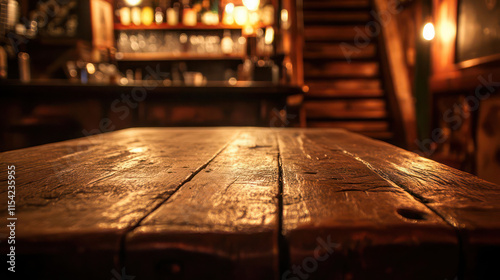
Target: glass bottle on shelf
point(125, 17)
point(173, 13)
point(207, 15)
point(227, 43)
point(188, 14)
point(160, 10)
point(136, 15)
point(147, 15)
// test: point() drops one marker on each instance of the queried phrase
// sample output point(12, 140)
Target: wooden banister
point(397, 83)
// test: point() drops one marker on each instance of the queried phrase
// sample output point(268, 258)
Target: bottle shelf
point(165, 26)
point(170, 57)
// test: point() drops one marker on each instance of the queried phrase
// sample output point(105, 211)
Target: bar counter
point(51, 107)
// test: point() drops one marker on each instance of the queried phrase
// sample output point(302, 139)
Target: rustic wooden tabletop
point(243, 203)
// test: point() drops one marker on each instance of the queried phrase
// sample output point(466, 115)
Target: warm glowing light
point(136, 15)
point(284, 15)
point(123, 81)
point(269, 37)
point(240, 15)
point(242, 40)
point(189, 17)
point(125, 16)
point(285, 23)
point(252, 5)
point(158, 17)
point(90, 68)
point(248, 30)
point(446, 31)
point(232, 81)
point(228, 19)
point(229, 8)
point(429, 32)
point(267, 15)
point(147, 15)
point(254, 18)
point(133, 2)
point(138, 150)
point(172, 16)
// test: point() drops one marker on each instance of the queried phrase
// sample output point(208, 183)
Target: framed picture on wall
point(478, 32)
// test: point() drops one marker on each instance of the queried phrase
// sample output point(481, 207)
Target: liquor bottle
point(227, 43)
point(135, 13)
point(147, 15)
point(12, 14)
point(206, 15)
point(160, 10)
point(173, 13)
point(214, 7)
point(188, 14)
point(24, 67)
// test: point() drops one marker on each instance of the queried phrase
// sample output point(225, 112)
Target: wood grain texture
point(469, 204)
point(335, 51)
point(235, 203)
point(346, 109)
point(76, 199)
point(380, 231)
point(398, 83)
point(229, 210)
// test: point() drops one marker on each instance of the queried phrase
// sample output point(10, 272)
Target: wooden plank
point(343, 94)
point(333, 33)
point(330, 17)
point(334, 51)
point(466, 202)
point(364, 109)
point(223, 224)
point(344, 84)
point(355, 126)
point(76, 199)
point(325, 69)
point(343, 221)
point(335, 4)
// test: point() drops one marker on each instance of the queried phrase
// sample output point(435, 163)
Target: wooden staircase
point(343, 94)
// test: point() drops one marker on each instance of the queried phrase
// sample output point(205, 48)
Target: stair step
point(329, 93)
point(385, 135)
point(344, 84)
point(338, 51)
point(336, 4)
point(380, 135)
point(340, 69)
point(355, 126)
point(334, 17)
point(343, 33)
point(346, 109)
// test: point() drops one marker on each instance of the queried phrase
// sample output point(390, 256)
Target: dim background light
point(133, 2)
point(229, 8)
point(252, 5)
point(240, 15)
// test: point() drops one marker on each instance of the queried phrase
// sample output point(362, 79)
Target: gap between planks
point(120, 259)
point(284, 248)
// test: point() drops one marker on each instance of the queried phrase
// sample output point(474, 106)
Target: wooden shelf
point(170, 57)
point(165, 26)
